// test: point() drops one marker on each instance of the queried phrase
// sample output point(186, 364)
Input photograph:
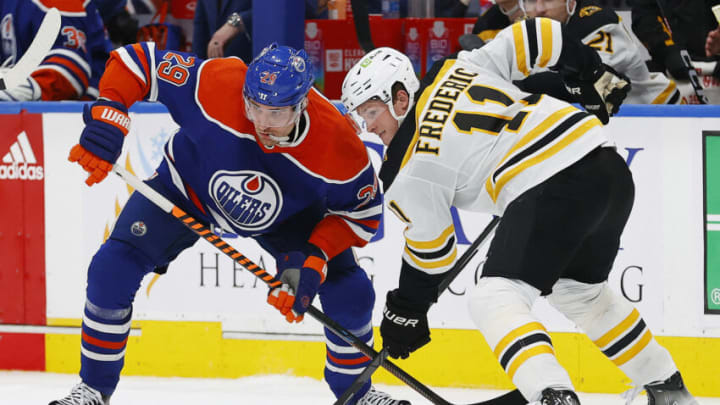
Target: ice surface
point(36, 388)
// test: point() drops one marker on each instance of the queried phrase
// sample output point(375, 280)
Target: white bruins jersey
point(480, 142)
point(602, 30)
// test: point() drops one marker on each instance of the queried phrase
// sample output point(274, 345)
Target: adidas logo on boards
point(20, 163)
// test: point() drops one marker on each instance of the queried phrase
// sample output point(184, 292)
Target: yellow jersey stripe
point(520, 55)
point(514, 334)
point(435, 243)
point(633, 351)
point(618, 330)
point(522, 358)
point(488, 34)
point(434, 264)
point(529, 137)
point(663, 97)
point(420, 106)
point(546, 36)
point(538, 158)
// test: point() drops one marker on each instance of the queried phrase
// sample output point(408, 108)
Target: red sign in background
point(22, 239)
point(333, 47)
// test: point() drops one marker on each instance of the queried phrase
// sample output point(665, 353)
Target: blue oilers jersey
point(217, 163)
point(72, 68)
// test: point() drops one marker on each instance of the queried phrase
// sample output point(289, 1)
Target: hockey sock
point(104, 337)
point(615, 327)
point(500, 308)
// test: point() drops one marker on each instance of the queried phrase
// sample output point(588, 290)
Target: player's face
point(269, 122)
point(555, 9)
point(378, 119)
point(511, 9)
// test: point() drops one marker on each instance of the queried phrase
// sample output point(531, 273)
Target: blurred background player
point(563, 192)
point(275, 161)
point(73, 66)
point(595, 26)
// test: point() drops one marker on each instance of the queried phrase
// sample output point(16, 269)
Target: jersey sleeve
point(65, 72)
point(354, 213)
point(521, 49)
point(424, 207)
point(140, 72)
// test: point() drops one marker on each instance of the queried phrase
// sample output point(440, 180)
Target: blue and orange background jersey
point(217, 163)
point(76, 61)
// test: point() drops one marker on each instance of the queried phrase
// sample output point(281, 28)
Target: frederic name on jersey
point(441, 104)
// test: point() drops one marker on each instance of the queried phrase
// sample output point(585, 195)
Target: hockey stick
point(205, 232)
point(511, 398)
point(362, 378)
point(362, 24)
point(40, 46)
point(685, 57)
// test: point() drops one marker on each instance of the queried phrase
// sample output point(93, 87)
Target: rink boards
point(207, 318)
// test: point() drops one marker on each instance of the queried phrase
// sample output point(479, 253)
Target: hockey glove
point(674, 63)
point(601, 93)
point(106, 124)
point(404, 327)
point(301, 275)
point(29, 91)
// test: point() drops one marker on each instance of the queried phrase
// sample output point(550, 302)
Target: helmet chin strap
point(400, 118)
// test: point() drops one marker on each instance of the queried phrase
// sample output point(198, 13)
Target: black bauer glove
point(404, 327)
point(601, 93)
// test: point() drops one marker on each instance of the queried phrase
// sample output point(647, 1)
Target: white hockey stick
point(39, 48)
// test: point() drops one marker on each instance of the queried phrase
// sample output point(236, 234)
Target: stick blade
point(44, 39)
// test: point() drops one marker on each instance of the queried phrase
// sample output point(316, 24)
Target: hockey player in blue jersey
point(272, 160)
point(72, 68)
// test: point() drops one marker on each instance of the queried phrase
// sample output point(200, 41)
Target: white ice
point(24, 388)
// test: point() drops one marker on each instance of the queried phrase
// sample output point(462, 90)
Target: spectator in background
point(712, 43)
point(666, 27)
point(72, 68)
point(222, 28)
point(451, 8)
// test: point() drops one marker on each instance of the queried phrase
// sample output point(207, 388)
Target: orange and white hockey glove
point(301, 275)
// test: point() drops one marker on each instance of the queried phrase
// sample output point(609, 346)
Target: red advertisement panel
point(22, 351)
point(333, 47)
point(22, 220)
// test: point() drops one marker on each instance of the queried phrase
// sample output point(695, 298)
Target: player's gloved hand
point(28, 91)
point(673, 61)
point(106, 124)
point(301, 274)
point(404, 327)
point(601, 93)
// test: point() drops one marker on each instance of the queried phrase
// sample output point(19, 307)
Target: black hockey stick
point(362, 24)
point(687, 62)
point(362, 378)
point(205, 232)
point(44, 39)
point(511, 398)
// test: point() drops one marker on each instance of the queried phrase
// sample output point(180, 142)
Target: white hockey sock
point(615, 327)
point(501, 310)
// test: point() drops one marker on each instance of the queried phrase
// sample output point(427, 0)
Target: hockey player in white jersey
point(473, 140)
point(602, 29)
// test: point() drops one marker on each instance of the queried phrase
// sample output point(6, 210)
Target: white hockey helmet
point(374, 76)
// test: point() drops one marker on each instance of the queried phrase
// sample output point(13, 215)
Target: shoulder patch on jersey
point(219, 93)
point(74, 8)
point(331, 148)
point(581, 26)
point(588, 11)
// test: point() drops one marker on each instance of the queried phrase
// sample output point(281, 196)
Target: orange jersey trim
point(54, 86)
point(120, 84)
point(333, 236)
point(81, 74)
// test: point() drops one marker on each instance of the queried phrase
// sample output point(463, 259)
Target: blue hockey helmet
point(280, 76)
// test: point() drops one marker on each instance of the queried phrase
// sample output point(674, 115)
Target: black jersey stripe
point(542, 142)
point(442, 252)
point(532, 41)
